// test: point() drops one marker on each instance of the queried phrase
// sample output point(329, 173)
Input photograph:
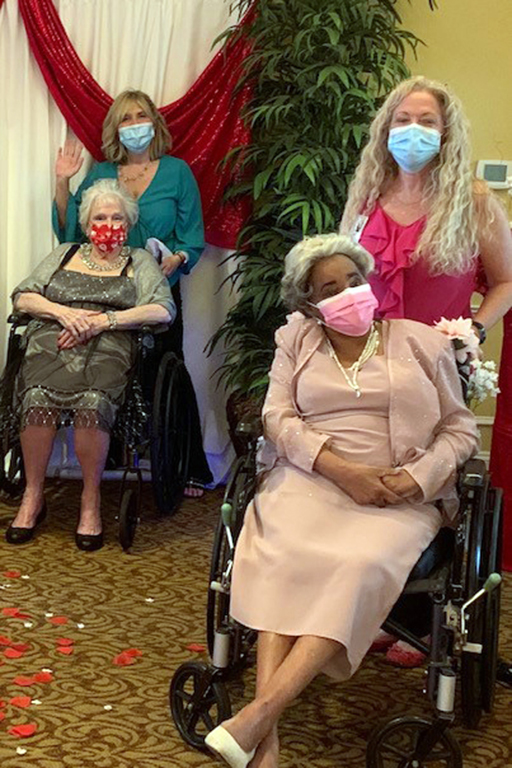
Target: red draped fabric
point(205, 123)
point(501, 451)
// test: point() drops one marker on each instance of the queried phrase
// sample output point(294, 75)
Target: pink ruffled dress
point(406, 288)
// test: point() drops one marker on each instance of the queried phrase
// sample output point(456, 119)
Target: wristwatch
point(480, 331)
point(183, 256)
point(112, 319)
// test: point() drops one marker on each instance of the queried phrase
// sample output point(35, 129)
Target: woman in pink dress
point(364, 427)
point(414, 205)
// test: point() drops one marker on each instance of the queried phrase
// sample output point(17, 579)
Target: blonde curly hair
point(459, 210)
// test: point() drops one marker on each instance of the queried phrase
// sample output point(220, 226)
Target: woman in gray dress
point(83, 301)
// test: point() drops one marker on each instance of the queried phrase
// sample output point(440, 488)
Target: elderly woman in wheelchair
point(83, 301)
point(365, 427)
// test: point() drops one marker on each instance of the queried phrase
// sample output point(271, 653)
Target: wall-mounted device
point(497, 173)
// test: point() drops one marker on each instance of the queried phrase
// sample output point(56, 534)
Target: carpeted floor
point(95, 714)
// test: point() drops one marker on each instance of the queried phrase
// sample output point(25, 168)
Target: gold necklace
point(124, 177)
point(86, 256)
point(351, 374)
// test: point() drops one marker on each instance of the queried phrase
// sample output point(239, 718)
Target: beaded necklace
point(85, 255)
point(351, 373)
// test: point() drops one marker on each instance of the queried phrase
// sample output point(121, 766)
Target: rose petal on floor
point(2, 716)
point(58, 620)
point(12, 653)
point(21, 646)
point(133, 652)
point(196, 648)
point(64, 641)
point(15, 613)
point(11, 574)
point(5, 640)
point(23, 731)
point(66, 650)
point(21, 751)
point(123, 660)
point(21, 701)
point(43, 677)
point(21, 680)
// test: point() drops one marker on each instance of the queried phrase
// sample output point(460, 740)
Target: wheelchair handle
point(492, 581)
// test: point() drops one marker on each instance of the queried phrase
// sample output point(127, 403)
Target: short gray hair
point(107, 189)
point(295, 288)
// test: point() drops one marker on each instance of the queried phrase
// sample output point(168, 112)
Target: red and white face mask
point(106, 237)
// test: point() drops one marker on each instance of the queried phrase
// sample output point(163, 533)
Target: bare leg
point(36, 445)
point(91, 446)
point(304, 661)
point(272, 651)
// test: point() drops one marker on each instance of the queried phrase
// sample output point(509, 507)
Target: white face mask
point(414, 146)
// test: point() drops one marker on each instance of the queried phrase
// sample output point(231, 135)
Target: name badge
point(360, 224)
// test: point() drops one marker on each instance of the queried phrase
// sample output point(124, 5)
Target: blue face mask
point(136, 138)
point(414, 146)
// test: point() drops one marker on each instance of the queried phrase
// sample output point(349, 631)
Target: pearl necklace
point(351, 373)
point(85, 255)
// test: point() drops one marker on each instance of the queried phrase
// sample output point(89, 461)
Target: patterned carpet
point(95, 714)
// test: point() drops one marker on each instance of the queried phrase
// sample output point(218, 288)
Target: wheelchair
point(163, 434)
point(459, 575)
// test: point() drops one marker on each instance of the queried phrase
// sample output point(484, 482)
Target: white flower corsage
point(464, 338)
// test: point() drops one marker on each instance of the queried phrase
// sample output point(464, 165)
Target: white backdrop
point(158, 46)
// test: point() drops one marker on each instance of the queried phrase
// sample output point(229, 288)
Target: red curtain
point(205, 123)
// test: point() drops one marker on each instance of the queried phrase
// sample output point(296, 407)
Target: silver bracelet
point(112, 319)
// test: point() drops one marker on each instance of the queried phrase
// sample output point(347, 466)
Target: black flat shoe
point(16, 535)
point(504, 673)
point(88, 542)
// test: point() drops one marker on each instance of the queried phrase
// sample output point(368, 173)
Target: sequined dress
point(84, 385)
point(310, 560)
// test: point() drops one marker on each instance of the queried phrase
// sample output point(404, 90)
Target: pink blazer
point(432, 432)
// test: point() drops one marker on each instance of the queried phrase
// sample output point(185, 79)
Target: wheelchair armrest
point(249, 428)
point(19, 318)
point(472, 474)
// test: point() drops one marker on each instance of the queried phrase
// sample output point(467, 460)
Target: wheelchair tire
point(195, 719)
point(12, 472)
point(394, 745)
point(239, 492)
point(170, 434)
point(478, 671)
point(128, 518)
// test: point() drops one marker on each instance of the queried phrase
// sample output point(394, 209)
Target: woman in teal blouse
point(135, 142)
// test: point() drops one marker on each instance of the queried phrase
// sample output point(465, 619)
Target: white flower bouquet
point(479, 378)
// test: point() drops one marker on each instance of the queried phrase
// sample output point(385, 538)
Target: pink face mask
point(107, 238)
point(351, 311)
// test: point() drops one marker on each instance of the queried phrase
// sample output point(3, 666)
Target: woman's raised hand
point(69, 159)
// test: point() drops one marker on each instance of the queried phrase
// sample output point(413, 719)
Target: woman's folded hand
point(365, 485)
point(403, 484)
point(76, 321)
point(96, 322)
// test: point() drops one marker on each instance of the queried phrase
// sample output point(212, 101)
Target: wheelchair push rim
point(170, 434)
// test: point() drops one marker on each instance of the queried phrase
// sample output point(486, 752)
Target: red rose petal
point(2, 716)
point(22, 731)
point(12, 653)
point(67, 650)
point(58, 620)
point(196, 648)
point(11, 574)
point(133, 652)
point(21, 701)
point(2, 704)
point(123, 660)
point(4, 640)
point(43, 677)
point(24, 680)
point(21, 646)
point(15, 613)
point(64, 641)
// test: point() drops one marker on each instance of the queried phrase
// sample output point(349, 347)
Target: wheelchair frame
point(167, 434)
point(464, 589)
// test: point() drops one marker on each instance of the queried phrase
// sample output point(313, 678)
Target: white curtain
point(158, 46)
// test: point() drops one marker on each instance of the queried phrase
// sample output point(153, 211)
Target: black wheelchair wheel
point(171, 433)
point(395, 745)
point(12, 472)
point(198, 704)
point(478, 671)
point(128, 518)
point(239, 492)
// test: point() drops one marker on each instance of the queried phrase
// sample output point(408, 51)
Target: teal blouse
point(169, 209)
